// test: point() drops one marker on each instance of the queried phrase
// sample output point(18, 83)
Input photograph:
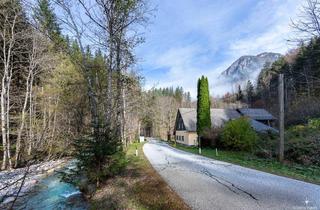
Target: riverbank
point(138, 187)
point(11, 180)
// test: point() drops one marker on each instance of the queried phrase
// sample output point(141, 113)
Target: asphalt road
point(208, 184)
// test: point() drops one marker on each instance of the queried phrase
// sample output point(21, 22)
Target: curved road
point(208, 184)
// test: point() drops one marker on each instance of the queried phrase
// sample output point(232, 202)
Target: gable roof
point(260, 127)
point(256, 114)
point(189, 117)
point(220, 116)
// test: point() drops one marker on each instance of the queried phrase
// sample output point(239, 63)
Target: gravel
point(10, 180)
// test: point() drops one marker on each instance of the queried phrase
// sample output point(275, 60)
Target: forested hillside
point(63, 93)
point(301, 69)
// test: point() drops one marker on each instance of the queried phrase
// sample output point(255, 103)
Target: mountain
point(248, 67)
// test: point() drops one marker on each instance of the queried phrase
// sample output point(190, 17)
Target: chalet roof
point(260, 127)
point(218, 118)
point(189, 117)
point(256, 114)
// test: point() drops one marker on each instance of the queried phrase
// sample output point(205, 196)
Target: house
point(186, 122)
point(260, 115)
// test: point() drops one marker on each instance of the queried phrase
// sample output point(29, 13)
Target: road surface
point(208, 184)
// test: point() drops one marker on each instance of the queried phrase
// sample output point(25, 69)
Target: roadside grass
point(137, 187)
point(296, 171)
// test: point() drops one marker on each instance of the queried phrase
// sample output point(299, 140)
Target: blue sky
point(190, 38)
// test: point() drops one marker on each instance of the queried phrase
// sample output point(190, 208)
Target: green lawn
point(296, 171)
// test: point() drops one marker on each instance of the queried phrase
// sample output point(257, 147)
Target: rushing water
point(52, 193)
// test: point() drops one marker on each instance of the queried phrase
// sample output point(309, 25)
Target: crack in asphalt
point(207, 173)
point(180, 170)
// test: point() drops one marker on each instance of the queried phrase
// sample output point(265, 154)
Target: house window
point(180, 138)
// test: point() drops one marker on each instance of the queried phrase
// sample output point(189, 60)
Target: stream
point(52, 193)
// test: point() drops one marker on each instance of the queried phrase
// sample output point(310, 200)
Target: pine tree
point(203, 106)
point(47, 21)
point(249, 92)
point(239, 94)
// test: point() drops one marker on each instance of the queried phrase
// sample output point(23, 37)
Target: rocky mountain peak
point(248, 67)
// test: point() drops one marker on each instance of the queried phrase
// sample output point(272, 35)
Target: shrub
point(303, 144)
point(98, 156)
point(305, 151)
point(211, 137)
point(239, 135)
point(116, 164)
point(314, 123)
point(267, 145)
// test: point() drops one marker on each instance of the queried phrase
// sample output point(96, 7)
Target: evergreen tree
point(188, 99)
point(239, 94)
point(203, 106)
point(47, 21)
point(249, 92)
point(178, 94)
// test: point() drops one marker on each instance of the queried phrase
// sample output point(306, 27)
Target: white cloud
point(274, 37)
point(181, 68)
point(194, 38)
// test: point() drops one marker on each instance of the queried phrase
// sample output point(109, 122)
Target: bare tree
point(308, 22)
point(71, 21)
point(116, 27)
point(36, 57)
point(8, 41)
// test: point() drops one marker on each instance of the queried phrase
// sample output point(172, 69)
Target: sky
point(189, 38)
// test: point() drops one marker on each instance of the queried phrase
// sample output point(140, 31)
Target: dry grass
point(138, 187)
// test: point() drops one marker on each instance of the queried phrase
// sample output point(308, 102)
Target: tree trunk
point(44, 109)
point(52, 139)
point(93, 106)
point(30, 116)
point(124, 136)
point(23, 116)
point(8, 119)
point(3, 123)
point(120, 93)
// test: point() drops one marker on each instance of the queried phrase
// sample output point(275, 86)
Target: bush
point(116, 164)
point(314, 123)
point(239, 135)
point(297, 130)
point(267, 145)
point(211, 137)
point(304, 151)
point(303, 144)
